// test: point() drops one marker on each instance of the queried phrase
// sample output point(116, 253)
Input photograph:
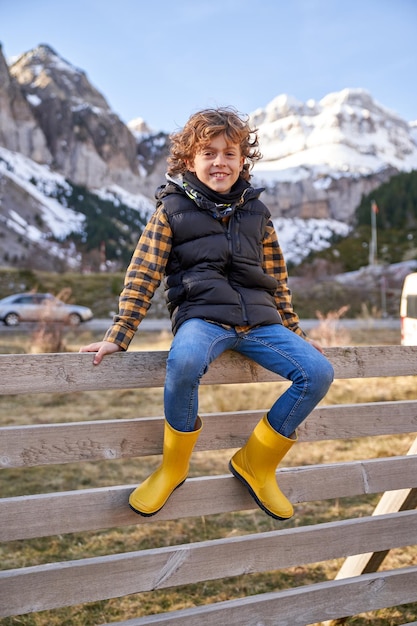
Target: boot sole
point(254, 496)
point(161, 507)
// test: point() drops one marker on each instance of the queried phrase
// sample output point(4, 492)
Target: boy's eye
point(210, 153)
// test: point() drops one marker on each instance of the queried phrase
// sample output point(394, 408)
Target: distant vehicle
point(39, 307)
point(408, 311)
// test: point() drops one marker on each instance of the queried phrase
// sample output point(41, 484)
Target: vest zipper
point(243, 307)
point(233, 233)
point(237, 218)
point(234, 223)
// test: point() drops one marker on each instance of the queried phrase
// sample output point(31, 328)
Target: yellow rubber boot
point(255, 464)
point(152, 494)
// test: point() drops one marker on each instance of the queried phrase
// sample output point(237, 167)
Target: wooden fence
point(358, 588)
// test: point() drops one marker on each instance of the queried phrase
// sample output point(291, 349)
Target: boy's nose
point(219, 160)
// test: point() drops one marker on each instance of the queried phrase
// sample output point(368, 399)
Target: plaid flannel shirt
point(147, 268)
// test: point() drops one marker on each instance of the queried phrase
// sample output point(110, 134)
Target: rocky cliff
point(88, 142)
point(19, 129)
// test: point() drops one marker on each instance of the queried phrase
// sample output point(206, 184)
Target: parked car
point(38, 307)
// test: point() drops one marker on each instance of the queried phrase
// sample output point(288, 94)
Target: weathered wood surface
point(106, 507)
point(299, 606)
point(391, 501)
point(43, 444)
point(72, 582)
point(25, 373)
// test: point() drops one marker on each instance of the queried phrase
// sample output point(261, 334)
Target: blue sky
point(164, 59)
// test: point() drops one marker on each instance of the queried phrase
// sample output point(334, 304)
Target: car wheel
point(74, 319)
point(12, 319)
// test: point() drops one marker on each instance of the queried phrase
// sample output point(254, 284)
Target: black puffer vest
point(215, 269)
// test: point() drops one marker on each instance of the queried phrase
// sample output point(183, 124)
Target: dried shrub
point(329, 332)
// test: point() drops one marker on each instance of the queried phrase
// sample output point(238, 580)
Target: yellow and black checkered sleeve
point(142, 278)
point(274, 265)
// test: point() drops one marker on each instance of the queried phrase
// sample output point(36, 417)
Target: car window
point(25, 300)
point(31, 298)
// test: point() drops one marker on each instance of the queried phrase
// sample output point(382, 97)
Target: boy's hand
point(101, 348)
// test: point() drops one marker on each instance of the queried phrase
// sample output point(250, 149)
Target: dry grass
point(133, 403)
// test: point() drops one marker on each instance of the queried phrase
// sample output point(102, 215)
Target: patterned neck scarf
point(219, 205)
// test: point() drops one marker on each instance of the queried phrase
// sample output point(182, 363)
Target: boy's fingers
point(90, 348)
point(101, 349)
point(98, 358)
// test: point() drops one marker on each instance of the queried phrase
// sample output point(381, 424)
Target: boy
point(213, 241)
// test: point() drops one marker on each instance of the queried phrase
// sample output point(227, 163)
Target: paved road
point(156, 325)
point(150, 325)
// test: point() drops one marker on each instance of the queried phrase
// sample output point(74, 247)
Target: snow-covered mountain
point(57, 131)
point(345, 132)
point(41, 219)
point(37, 215)
point(319, 158)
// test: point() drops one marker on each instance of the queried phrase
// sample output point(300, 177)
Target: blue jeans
point(197, 343)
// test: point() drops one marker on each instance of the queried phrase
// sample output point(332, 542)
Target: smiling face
point(218, 164)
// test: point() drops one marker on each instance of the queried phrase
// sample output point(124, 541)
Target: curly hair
point(200, 130)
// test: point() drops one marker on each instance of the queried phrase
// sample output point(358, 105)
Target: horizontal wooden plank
point(73, 582)
point(43, 444)
point(391, 501)
point(68, 372)
point(86, 580)
point(93, 509)
point(298, 606)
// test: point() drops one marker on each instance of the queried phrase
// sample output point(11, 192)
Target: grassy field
point(135, 403)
